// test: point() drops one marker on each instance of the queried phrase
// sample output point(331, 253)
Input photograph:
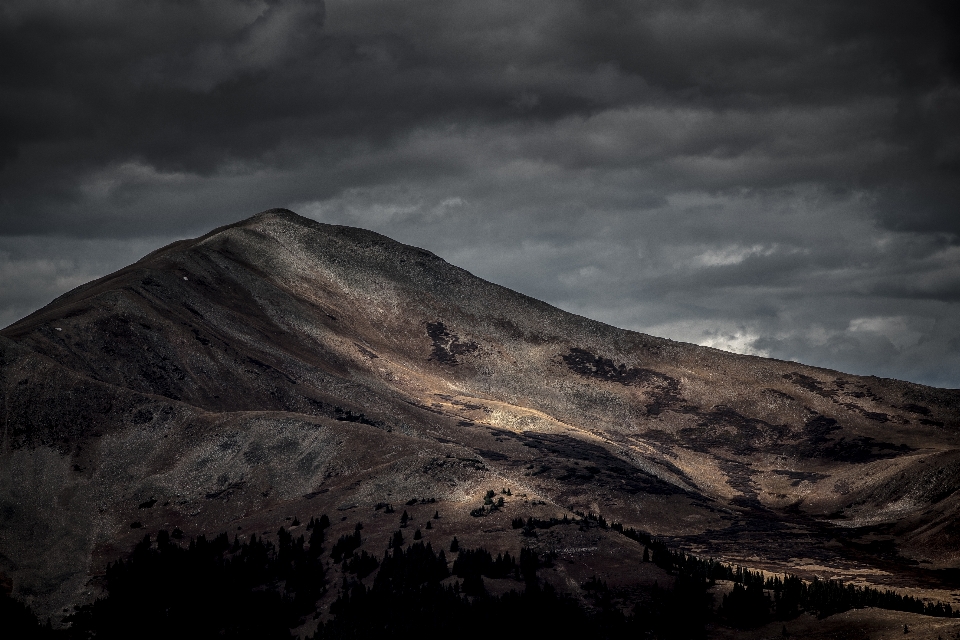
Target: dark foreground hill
point(280, 367)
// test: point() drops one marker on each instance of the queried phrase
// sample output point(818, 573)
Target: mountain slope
point(280, 366)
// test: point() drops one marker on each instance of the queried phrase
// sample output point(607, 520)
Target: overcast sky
point(775, 178)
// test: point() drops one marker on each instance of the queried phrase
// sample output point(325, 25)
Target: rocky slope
point(280, 367)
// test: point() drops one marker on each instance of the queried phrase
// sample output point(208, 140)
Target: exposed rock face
point(281, 366)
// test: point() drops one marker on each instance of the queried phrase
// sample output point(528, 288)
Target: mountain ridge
point(278, 364)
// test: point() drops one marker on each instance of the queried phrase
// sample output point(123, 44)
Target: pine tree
point(397, 541)
point(316, 541)
point(404, 518)
point(454, 545)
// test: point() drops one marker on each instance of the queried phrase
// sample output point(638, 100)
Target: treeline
point(415, 594)
point(756, 600)
point(531, 524)
point(481, 562)
point(346, 545)
point(260, 589)
point(18, 621)
point(206, 589)
point(209, 588)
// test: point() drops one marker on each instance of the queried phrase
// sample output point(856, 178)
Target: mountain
point(279, 368)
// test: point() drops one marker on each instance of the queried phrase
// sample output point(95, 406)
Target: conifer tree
point(397, 541)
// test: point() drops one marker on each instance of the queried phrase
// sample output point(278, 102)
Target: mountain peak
point(279, 213)
point(282, 366)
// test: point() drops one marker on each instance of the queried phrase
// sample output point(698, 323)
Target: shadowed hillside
point(280, 366)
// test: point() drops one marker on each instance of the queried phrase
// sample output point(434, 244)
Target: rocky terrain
point(280, 368)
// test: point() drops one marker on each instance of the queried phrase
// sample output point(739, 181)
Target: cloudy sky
point(780, 179)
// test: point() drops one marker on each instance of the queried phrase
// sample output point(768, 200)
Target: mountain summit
point(280, 367)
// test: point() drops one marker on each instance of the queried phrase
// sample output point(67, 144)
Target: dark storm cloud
point(776, 178)
point(198, 87)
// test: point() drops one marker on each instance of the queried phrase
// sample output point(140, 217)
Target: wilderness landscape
point(280, 373)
